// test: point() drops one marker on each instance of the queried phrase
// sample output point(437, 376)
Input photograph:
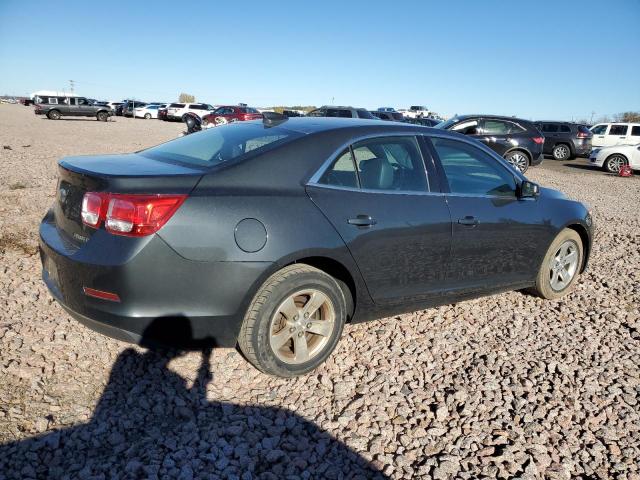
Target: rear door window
point(549, 128)
point(635, 131)
point(565, 129)
point(619, 130)
point(390, 163)
point(470, 171)
point(342, 172)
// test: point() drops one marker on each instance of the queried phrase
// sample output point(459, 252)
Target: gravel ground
point(505, 386)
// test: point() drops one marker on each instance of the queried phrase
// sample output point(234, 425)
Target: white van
point(609, 134)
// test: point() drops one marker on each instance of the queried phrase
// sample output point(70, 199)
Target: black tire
point(256, 329)
point(613, 163)
point(102, 116)
point(147, 116)
point(53, 115)
point(519, 160)
point(561, 151)
point(543, 287)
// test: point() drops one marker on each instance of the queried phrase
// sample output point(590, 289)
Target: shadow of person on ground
point(150, 424)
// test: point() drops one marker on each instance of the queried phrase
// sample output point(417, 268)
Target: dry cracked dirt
point(508, 386)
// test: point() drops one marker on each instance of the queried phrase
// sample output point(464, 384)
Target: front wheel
point(614, 163)
point(561, 266)
point(519, 160)
point(294, 321)
point(147, 116)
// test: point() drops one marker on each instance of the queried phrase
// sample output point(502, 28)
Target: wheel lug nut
point(300, 334)
point(292, 329)
point(295, 317)
point(308, 325)
point(306, 315)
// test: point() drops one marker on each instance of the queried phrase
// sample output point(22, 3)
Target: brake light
point(132, 215)
point(583, 135)
point(538, 140)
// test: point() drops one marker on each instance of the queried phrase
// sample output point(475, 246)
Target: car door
point(391, 215)
point(496, 135)
point(599, 134)
point(497, 238)
point(617, 135)
point(83, 107)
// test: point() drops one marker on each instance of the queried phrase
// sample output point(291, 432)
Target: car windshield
point(221, 144)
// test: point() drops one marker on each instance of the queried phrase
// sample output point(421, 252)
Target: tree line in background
point(624, 117)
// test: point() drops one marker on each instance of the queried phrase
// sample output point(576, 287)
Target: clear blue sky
point(552, 59)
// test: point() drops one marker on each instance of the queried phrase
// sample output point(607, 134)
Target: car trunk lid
point(131, 173)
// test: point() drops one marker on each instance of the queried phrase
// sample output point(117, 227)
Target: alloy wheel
point(615, 163)
point(563, 265)
point(518, 160)
point(301, 326)
point(561, 152)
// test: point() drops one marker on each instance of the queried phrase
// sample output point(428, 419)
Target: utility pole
point(71, 85)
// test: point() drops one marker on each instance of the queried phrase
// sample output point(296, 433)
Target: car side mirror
point(529, 189)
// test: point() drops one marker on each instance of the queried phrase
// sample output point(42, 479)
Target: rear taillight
point(538, 140)
point(132, 215)
point(583, 135)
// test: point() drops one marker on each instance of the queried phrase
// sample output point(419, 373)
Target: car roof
point(496, 117)
point(309, 125)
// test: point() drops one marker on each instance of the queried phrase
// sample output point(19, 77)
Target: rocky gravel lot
point(508, 386)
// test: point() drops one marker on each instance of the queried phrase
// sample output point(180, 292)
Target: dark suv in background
point(565, 140)
point(344, 112)
point(519, 141)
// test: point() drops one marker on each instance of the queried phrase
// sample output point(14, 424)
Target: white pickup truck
point(416, 111)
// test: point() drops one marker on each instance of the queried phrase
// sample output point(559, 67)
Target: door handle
point(362, 221)
point(468, 221)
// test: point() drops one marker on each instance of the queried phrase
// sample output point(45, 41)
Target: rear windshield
point(221, 144)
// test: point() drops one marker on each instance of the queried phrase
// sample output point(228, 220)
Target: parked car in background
point(288, 230)
point(517, 140)
point(26, 102)
point(416, 111)
point(424, 121)
point(57, 107)
point(609, 134)
point(130, 105)
point(113, 106)
point(387, 115)
point(344, 112)
point(565, 140)
point(177, 111)
point(147, 112)
point(291, 113)
point(231, 113)
point(611, 159)
point(386, 109)
point(162, 113)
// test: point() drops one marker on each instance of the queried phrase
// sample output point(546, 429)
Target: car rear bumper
point(164, 298)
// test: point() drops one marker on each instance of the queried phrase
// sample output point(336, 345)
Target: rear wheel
point(102, 116)
point(518, 159)
point(147, 116)
point(561, 265)
point(561, 152)
point(614, 162)
point(294, 322)
point(53, 115)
